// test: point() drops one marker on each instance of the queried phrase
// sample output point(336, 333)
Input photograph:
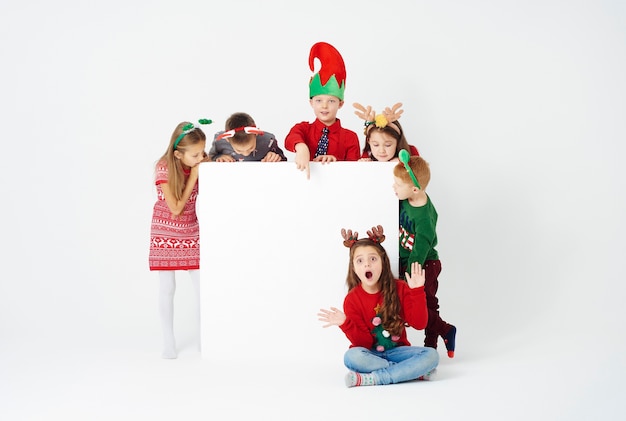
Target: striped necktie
point(322, 146)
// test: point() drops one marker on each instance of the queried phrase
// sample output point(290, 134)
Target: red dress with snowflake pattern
point(174, 241)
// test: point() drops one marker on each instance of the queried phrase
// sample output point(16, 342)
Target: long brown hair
point(390, 312)
point(175, 175)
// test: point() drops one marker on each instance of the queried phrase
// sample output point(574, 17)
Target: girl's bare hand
point(417, 278)
point(332, 317)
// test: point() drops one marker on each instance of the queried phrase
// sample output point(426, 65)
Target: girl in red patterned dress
point(174, 233)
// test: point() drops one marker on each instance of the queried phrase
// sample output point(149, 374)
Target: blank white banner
point(272, 253)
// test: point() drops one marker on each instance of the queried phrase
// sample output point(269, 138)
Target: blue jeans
point(394, 365)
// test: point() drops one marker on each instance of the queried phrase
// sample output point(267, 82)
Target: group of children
point(378, 305)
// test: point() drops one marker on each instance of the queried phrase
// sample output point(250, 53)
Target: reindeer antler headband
point(349, 238)
point(387, 118)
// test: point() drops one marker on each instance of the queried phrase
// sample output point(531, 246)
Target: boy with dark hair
point(243, 141)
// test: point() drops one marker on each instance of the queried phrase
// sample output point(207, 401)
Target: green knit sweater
point(418, 234)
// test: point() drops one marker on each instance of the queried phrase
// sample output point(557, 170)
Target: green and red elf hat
point(331, 78)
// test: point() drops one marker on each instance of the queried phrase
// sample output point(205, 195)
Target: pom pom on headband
point(388, 116)
point(248, 129)
point(188, 128)
point(349, 238)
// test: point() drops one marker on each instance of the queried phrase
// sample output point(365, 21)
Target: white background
point(518, 106)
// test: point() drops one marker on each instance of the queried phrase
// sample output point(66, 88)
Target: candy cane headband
point(188, 128)
point(247, 129)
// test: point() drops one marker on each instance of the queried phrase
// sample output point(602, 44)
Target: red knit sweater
point(359, 307)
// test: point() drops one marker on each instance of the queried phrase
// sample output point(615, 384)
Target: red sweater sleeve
point(357, 326)
point(413, 301)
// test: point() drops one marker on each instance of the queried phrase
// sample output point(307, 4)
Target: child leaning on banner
point(324, 140)
point(418, 239)
point(243, 141)
point(174, 231)
point(384, 136)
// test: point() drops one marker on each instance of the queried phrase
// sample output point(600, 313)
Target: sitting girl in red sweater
point(375, 312)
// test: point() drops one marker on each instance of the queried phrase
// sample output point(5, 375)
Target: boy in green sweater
point(418, 239)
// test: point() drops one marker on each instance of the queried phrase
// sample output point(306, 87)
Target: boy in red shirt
point(324, 140)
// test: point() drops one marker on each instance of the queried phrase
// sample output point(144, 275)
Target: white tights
point(166, 308)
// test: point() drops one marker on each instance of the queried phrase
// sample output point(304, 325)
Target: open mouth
point(368, 274)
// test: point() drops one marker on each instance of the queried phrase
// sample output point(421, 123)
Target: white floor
point(122, 377)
